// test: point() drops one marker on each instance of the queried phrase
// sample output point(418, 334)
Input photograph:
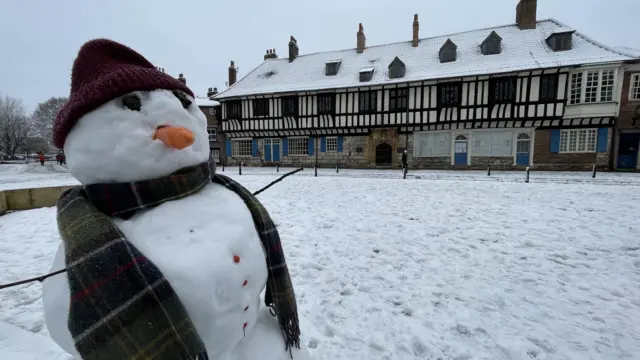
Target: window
point(332, 144)
point(261, 107)
point(241, 148)
point(578, 140)
point(212, 111)
point(215, 154)
point(234, 109)
point(398, 99)
point(634, 91)
point(592, 86)
point(493, 143)
point(366, 74)
point(368, 101)
point(548, 87)
point(448, 52)
point(560, 41)
point(492, 44)
point(326, 104)
point(449, 94)
point(212, 134)
point(298, 146)
point(332, 68)
point(432, 144)
point(290, 106)
point(503, 90)
point(397, 69)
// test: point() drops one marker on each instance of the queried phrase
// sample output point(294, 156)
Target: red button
point(245, 283)
point(236, 259)
point(244, 326)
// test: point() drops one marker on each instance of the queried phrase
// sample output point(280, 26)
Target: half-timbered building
point(534, 93)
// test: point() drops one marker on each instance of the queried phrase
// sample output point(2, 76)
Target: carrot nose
point(176, 137)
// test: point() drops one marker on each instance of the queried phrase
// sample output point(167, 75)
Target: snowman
point(165, 258)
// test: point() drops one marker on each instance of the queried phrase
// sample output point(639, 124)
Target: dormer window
point(448, 52)
point(561, 40)
point(397, 69)
point(366, 74)
point(492, 44)
point(332, 67)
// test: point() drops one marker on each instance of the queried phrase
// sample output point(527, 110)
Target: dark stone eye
point(183, 99)
point(132, 102)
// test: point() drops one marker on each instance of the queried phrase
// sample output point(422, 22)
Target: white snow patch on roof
point(206, 102)
point(366, 69)
point(562, 30)
point(521, 50)
point(628, 51)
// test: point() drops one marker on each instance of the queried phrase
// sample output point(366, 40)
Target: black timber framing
point(421, 104)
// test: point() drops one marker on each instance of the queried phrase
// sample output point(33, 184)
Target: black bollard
point(489, 170)
point(239, 168)
point(315, 170)
point(277, 167)
point(527, 178)
point(222, 167)
point(336, 168)
point(593, 172)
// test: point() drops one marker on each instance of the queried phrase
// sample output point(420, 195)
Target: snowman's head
point(140, 135)
point(126, 120)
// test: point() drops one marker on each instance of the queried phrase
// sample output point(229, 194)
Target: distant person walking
point(41, 157)
point(59, 158)
point(404, 164)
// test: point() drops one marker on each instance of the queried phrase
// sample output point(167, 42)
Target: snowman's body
point(207, 247)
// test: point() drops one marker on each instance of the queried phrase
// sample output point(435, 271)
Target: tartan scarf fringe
point(121, 302)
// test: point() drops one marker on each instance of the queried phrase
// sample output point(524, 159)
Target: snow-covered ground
point(20, 176)
point(454, 265)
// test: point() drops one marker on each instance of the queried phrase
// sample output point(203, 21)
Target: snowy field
point(454, 265)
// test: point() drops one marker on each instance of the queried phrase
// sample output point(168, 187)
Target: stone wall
point(499, 162)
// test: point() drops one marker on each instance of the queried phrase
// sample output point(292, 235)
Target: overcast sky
point(39, 39)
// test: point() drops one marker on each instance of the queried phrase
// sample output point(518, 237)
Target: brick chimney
point(271, 54)
point(182, 79)
point(416, 31)
point(361, 41)
point(233, 73)
point(293, 49)
point(211, 92)
point(526, 14)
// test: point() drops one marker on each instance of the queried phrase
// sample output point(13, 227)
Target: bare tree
point(44, 116)
point(15, 126)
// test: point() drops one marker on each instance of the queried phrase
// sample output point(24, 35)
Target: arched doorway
point(460, 150)
point(523, 146)
point(384, 155)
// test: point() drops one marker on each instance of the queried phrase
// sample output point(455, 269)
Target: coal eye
point(132, 102)
point(183, 99)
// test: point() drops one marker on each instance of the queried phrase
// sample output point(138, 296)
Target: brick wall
point(544, 159)
point(628, 107)
point(212, 121)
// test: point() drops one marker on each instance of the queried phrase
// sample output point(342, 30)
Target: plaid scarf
point(122, 307)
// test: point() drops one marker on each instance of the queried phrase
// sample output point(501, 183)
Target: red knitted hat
point(104, 70)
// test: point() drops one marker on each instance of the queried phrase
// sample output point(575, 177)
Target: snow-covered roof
point(628, 51)
point(200, 101)
point(521, 50)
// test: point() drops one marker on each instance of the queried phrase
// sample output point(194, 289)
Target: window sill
point(594, 103)
point(577, 152)
point(241, 156)
point(297, 155)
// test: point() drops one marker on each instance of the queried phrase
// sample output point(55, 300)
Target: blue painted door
point(460, 154)
point(628, 151)
point(522, 152)
point(276, 152)
point(267, 152)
